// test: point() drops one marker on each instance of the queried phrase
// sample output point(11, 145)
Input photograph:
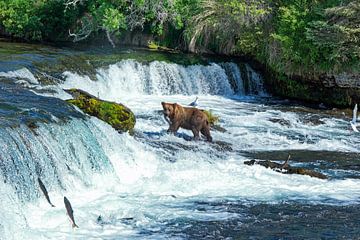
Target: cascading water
point(130, 77)
point(158, 186)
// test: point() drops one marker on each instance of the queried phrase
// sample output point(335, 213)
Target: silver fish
point(70, 212)
point(45, 192)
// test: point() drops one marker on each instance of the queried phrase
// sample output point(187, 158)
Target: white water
point(156, 178)
point(130, 78)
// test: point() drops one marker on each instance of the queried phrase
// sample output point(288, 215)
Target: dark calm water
point(155, 186)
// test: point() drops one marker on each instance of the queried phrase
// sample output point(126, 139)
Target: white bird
point(353, 121)
point(194, 103)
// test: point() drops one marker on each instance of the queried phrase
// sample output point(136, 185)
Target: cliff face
point(341, 90)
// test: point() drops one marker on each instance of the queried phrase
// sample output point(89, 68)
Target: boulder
point(117, 115)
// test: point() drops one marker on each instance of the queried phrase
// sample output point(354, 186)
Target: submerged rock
point(117, 115)
point(286, 168)
point(281, 121)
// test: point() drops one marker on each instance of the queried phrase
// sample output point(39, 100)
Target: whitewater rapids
point(135, 187)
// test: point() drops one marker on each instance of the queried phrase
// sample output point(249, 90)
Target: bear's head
point(168, 109)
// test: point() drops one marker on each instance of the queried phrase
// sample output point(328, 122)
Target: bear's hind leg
point(206, 132)
point(196, 133)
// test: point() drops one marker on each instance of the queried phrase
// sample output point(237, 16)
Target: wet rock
point(286, 168)
point(312, 120)
point(117, 115)
point(341, 90)
point(32, 126)
point(281, 121)
point(222, 146)
point(218, 128)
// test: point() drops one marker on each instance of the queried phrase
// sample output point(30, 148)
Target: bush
point(212, 118)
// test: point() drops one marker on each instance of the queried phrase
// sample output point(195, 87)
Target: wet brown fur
point(188, 118)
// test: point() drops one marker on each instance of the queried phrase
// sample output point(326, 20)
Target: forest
point(296, 37)
point(179, 119)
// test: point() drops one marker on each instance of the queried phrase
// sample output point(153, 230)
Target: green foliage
point(36, 19)
point(113, 20)
point(18, 18)
point(316, 37)
point(338, 35)
point(212, 118)
point(295, 37)
point(226, 26)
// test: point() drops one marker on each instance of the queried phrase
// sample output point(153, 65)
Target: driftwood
point(285, 168)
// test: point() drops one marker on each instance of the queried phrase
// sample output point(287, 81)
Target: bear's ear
point(163, 103)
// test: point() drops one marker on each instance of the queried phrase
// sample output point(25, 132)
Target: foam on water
point(131, 78)
point(138, 183)
point(22, 75)
point(150, 189)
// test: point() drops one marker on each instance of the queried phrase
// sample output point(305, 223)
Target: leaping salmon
point(45, 192)
point(70, 212)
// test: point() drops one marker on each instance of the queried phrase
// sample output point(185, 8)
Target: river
point(151, 185)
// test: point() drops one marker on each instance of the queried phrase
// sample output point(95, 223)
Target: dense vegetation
point(295, 37)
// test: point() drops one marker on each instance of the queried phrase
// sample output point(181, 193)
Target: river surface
point(151, 185)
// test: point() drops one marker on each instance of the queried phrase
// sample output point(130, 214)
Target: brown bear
point(188, 118)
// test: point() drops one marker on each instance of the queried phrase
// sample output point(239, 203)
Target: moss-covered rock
point(117, 115)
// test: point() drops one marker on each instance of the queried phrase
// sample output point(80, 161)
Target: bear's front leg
point(174, 127)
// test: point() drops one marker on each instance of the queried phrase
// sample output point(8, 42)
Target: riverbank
point(340, 91)
point(309, 51)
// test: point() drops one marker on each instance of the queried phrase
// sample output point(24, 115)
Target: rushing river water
point(157, 186)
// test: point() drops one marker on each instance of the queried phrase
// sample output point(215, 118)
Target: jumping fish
point(45, 192)
point(70, 212)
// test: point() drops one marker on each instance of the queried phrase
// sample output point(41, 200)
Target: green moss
point(212, 118)
point(86, 62)
point(153, 45)
point(117, 115)
point(146, 56)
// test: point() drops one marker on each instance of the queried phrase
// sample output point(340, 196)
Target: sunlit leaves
point(113, 20)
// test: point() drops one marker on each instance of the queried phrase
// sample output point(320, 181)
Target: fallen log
point(285, 168)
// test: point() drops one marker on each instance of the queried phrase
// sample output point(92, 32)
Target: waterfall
point(46, 138)
point(130, 77)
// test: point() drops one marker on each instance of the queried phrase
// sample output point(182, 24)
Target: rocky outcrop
point(286, 168)
point(117, 115)
point(338, 90)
